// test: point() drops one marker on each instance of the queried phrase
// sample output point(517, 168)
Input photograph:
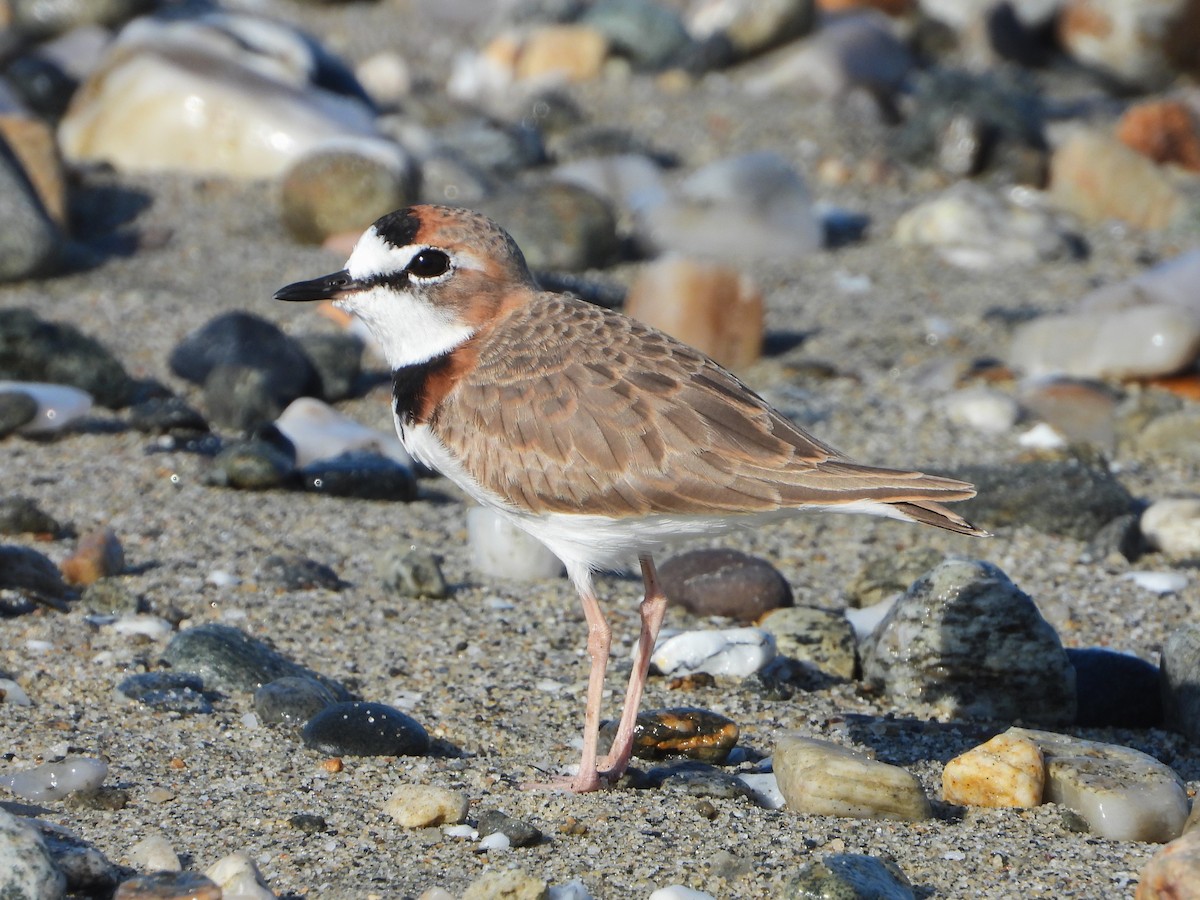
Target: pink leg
point(654, 606)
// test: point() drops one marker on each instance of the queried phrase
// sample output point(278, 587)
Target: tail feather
point(927, 512)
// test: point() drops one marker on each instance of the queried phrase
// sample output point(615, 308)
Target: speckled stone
point(518, 832)
point(822, 638)
point(849, 876)
point(293, 572)
point(686, 731)
point(507, 884)
point(1006, 771)
point(26, 868)
point(412, 573)
point(180, 692)
point(884, 576)
point(253, 465)
point(1174, 871)
point(87, 870)
point(365, 729)
point(291, 700)
point(716, 582)
point(424, 806)
point(337, 358)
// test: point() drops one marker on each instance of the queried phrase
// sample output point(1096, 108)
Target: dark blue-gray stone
point(20, 515)
point(360, 475)
point(365, 729)
point(181, 692)
point(32, 349)
point(299, 573)
point(17, 408)
point(1115, 690)
point(291, 700)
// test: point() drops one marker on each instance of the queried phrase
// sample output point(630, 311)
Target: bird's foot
point(583, 783)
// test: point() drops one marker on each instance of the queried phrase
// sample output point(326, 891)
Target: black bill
point(330, 287)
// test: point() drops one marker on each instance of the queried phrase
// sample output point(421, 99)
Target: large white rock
point(729, 651)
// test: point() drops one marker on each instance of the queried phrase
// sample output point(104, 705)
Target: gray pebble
point(558, 226)
point(649, 34)
point(699, 780)
point(291, 700)
point(412, 573)
point(298, 573)
point(87, 870)
point(365, 729)
point(243, 397)
point(716, 582)
point(884, 576)
point(180, 692)
point(110, 597)
point(167, 415)
point(253, 465)
point(26, 867)
point(29, 242)
point(337, 357)
point(849, 876)
point(169, 886)
point(17, 408)
point(20, 515)
point(823, 639)
point(519, 833)
point(1181, 681)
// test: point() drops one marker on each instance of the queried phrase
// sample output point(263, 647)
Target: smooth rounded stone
point(499, 549)
point(1139, 342)
point(1172, 527)
point(732, 651)
point(343, 186)
point(1171, 434)
point(424, 806)
point(154, 628)
point(1181, 681)
point(964, 641)
point(723, 583)
point(29, 243)
point(1074, 497)
point(56, 406)
point(54, 781)
point(337, 358)
point(558, 226)
point(242, 397)
point(518, 832)
point(253, 465)
point(819, 637)
point(55, 353)
point(98, 554)
point(154, 853)
point(758, 196)
point(1115, 690)
point(855, 51)
point(238, 877)
point(647, 33)
point(13, 694)
point(1118, 542)
point(982, 409)
point(883, 577)
point(293, 572)
point(684, 731)
point(230, 661)
point(1082, 410)
point(167, 415)
point(317, 431)
point(291, 700)
point(680, 892)
point(498, 150)
point(220, 94)
point(20, 515)
point(1169, 283)
point(1142, 45)
point(1122, 794)
point(1173, 873)
point(17, 408)
point(852, 876)
point(33, 575)
point(26, 868)
point(551, 53)
point(364, 729)
point(387, 78)
point(412, 573)
point(510, 884)
point(240, 339)
point(361, 475)
point(178, 692)
point(715, 308)
point(1157, 582)
point(751, 26)
point(1096, 177)
point(824, 779)
point(169, 886)
point(1006, 771)
point(973, 227)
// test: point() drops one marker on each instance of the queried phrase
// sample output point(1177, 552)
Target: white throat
point(408, 328)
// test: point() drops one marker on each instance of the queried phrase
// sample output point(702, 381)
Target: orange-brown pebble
point(332, 765)
point(1007, 771)
point(97, 556)
point(1173, 873)
point(574, 52)
point(1164, 131)
point(177, 763)
point(168, 886)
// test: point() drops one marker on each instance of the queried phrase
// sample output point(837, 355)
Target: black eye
point(429, 264)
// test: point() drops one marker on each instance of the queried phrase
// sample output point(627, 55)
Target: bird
point(598, 435)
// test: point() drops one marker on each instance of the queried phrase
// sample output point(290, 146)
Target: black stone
point(20, 515)
point(1115, 689)
point(365, 729)
point(361, 475)
point(17, 408)
point(167, 415)
point(291, 700)
point(298, 573)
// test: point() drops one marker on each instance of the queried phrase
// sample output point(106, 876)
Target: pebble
point(1171, 434)
point(154, 853)
point(54, 781)
point(13, 694)
point(975, 228)
point(17, 408)
point(1173, 873)
point(167, 86)
point(1163, 131)
point(21, 515)
point(1006, 771)
point(982, 409)
point(30, 242)
point(341, 187)
point(230, 661)
point(1077, 410)
point(26, 867)
point(337, 358)
point(883, 577)
point(1122, 794)
point(822, 778)
point(519, 833)
point(509, 884)
point(364, 729)
point(361, 475)
point(758, 196)
point(1074, 497)
point(32, 575)
point(1172, 527)
point(293, 572)
point(1181, 681)
point(1115, 690)
point(964, 641)
point(750, 27)
point(731, 651)
point(853, 876)
point(99, 554)
point(715, 308)
point(167, 415)
point(168, 886)
point(721, 582)
point(559, 226)
point(424, 806)
point(56, 406)
point(1097, 178)
point(291, 700)
point(499, 549)
point(238, 877)
point(680, 892)
point(549, 54)
point(1142, 45)
point(412, 573)
point(154, 628)
point(819, 637)
point(764, 789)
point(87, 871)
point(178, 692)
point(649, 34)
point(1158, 582)
point(684, 731)
point(253, 465)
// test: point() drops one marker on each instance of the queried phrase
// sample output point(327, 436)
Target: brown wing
point(599, 412)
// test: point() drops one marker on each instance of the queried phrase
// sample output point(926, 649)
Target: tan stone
point(33, 143)
point(574, 52)
point(422, 805)
point(507, 884)
point(713, 308)
point(98, 555)
point(1173, 873)
point(1006, 771)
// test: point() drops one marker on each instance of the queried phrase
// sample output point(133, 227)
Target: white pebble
point(730, 651)
point(221, 578)
point(864, 621)
point(11, 693)
point(1172, 526)
point(53, 781)
point(461, 831)
point(239, 878)
point(318, 431)
point(58, 405)
point(249, 720)
point(679, 892)
point(764, 788)
point(982, 409)
point(33, 645)
point(499, 549)
point(497, 840)
point(1158, 582)
point(1042, 436)
point(572, 890)
point(154, 853)
point(153, 627)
